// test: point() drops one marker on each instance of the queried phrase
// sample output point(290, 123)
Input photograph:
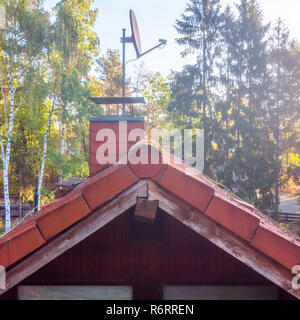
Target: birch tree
point(21, 47)
point(41, 176)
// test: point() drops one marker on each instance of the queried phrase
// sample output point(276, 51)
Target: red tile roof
point(19, 242)
point(180, 179)
point(233, 216)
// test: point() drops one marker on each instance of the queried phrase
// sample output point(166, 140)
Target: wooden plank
point(75, 234)
point(118, 100)
point(220, 292)
point(75, 292)
point(145, 210)
point(223, 238)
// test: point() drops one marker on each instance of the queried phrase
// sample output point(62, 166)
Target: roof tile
point(19, 242)
point(192, 189)
point(277, 245)
point(62, 213)
point(107, 184)
point(233, 216)
point(4, 260)
point(154, 168)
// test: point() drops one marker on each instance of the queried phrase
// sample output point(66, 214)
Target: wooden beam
point(222, 238)
point(118, 100)
point(75, 234)
point(145, 210)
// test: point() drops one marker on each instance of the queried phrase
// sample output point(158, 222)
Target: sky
point(156, 19)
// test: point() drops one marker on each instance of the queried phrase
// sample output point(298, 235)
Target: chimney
point(109, 139)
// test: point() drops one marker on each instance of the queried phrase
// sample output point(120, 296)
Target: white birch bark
point(62, 141)
point(6, 149)
point(40, 182)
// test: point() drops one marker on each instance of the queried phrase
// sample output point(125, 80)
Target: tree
point(157, 95)
point(289, 124)
point(184, 104)
point(22, 44)
point(110, 71)
point(228, 93)
point(279, 52)
point(42, 170)
point(76, 44)
point(199, 31)
point(251, 165)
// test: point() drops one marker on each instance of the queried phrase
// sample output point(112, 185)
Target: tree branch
point(21, 102)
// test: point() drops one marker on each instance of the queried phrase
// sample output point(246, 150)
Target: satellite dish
point(136, 40)
point(135, 37)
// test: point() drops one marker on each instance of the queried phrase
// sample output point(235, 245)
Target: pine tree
point(250, 165)
point(279, 46)
point(199, 31)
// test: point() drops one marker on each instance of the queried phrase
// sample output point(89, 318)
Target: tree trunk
point(277, 170)
point(204, 100)
point(62, 140)
point(21, 169)
point(5, 177)
point(21, 182)
point(238, 114)
point(6, 160)
point(227, 105)
point(40, 182)
point(6, 197)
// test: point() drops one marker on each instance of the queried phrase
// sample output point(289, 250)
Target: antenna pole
point(124, 64)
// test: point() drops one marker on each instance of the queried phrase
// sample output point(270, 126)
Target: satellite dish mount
point(136, 41)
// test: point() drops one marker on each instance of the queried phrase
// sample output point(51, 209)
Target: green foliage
point(48, 61)
point(250, 114)
point(157, 95)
